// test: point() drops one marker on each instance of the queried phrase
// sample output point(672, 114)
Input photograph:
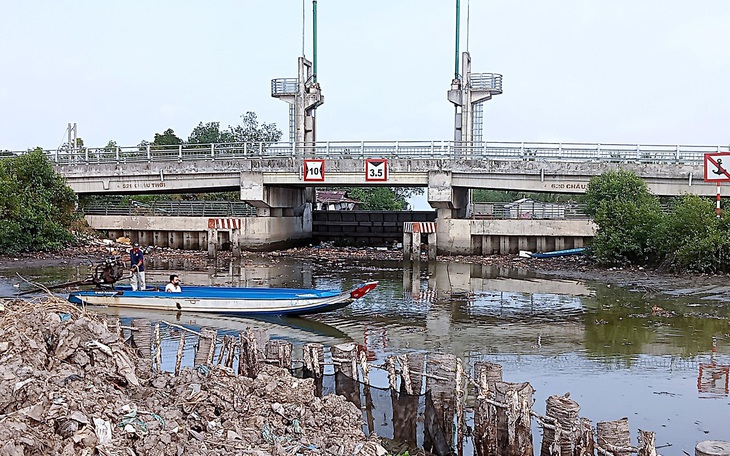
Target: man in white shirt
point(174, 285)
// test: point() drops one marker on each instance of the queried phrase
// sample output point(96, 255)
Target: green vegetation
point(37, 208)
point(382, 198)
point(627, 214)
point(490, 196)
point(634, 230)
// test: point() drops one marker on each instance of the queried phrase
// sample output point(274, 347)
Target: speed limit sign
point(376, 169)
point(314, 170)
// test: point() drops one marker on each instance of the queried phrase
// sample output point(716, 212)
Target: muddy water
point(619, 353)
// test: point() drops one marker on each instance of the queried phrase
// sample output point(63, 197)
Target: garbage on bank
point(69, 385)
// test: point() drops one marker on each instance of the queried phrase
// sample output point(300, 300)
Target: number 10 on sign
point(314, 170)
point(376, 169)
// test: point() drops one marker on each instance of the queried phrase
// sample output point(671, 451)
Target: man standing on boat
point(136, 260)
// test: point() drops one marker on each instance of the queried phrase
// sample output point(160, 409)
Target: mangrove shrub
point(36, 205)
point(627, 215)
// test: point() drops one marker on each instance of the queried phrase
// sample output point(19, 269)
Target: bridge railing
point(173, 209)
point(513, 151)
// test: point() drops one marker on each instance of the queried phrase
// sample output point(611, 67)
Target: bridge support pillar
point(442, 195)
point(255, 193)
point(176, 240)
point(560, 243)
point(541, 244)
point(212, 243)
point(236, 243)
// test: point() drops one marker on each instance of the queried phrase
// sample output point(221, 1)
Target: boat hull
point(558, 253)
point(228, 301)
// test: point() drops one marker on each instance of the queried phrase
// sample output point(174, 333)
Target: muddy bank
point(69, 385)
point(707, 286)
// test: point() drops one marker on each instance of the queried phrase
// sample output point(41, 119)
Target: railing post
point(116, 153)
point(212, 151)
point(560, 150)
point(261, 148)
point(598, 151)
point(397, 149)
point(362, 149)
point(55, 156)
point(179, 152)
point(149, 155)
point(638, 153)
point(522, 150)
point(245, 148)
point(676, 154)
point(327, 149)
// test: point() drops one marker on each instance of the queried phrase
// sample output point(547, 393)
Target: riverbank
point(70, 385)
point(706, 286)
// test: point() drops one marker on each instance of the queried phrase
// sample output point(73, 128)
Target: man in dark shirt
point(136, 259)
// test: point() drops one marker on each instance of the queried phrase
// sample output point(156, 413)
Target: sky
point(620, 71)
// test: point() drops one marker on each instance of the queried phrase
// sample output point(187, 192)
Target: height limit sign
point(314, 170)
point(376, 169)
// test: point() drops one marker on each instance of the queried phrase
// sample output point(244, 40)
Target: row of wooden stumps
point(502, 411)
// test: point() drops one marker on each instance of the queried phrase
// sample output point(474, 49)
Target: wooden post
point(142, 337)
point(344, 358)
point(279, 352)
point(712, 448)
point(440, 402)
point(158, 348)
point(416, 246)
point(432, 246)
point(486, 374)
point(647, 443)
point(251, 353)
point(587, 442)
point(514, 432)
point(614, 436)
point(180, 348)
point(313, 355)
point(566, 433)
point(364, 367)
point(407, 240)
point(206, 345)
point(392, 375)
point(405, 401)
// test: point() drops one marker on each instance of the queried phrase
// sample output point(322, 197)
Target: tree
point(692, 238)
point(250, 131)
point(378, 198)
point(36, 205)
point(167, 138)
point(207, 134)
point(627, 215)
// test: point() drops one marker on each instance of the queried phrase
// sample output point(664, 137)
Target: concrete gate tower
point(304, 96)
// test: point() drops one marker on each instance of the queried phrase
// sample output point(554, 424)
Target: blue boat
point(224, 300)
point(558, 253)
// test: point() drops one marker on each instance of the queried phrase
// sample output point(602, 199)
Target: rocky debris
point(69, 385)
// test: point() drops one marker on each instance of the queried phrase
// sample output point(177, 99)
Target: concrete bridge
point(278, 180)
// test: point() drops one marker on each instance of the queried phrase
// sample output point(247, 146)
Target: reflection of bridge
point(278, 180)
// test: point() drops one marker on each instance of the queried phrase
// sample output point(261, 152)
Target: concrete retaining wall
point(487, 237)
point(454, 236)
